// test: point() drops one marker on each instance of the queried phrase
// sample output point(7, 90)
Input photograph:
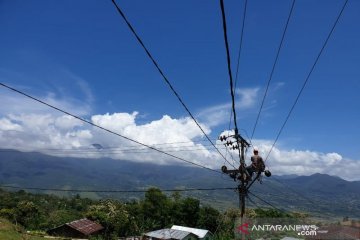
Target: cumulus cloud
point(305, 162)
point(65, 136)
point(50, 132)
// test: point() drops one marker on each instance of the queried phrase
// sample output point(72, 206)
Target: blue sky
point(81, 56)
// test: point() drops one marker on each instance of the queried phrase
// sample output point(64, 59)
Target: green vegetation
point(156, 210)
point(321, 195)
point(9, 231)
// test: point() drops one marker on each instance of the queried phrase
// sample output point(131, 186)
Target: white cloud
point(305, 162)
point(248, 97)
point(26, 125)
point(67, 122)
point(7, 125)
point(64, 136)
point(219, 114)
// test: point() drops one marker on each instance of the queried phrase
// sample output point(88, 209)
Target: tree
point(58, 217)
point(113, 216)
point(209, 218)
point(156, 208)
point(190, 211)
point(28, 214)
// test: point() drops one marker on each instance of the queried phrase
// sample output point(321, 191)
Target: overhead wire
point(282, 193)
point(308, 77)
point(273, 68)
point(105, 129)
point(240, 47)
point(228, 61)
point(296, 192)
point(114, 151)
point(164, 77)
point(252, 201)
point(237, 69)
point(266, 202)
point(116, 191)
point(239, 53)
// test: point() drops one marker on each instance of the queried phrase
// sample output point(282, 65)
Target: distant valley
point(319, 194)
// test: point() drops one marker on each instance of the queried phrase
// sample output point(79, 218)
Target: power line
point(241, 41)
point(116, 191)
point(127, 148)
point(308, 76)
point(266, 202)
point(239, 54)
point(132, 147)
point(105, 129)
point(282, 193)
point(228, 61)
point(252, 201)
point(114, 151)
point(273, 68)
point(296, 192)
point(164, 77)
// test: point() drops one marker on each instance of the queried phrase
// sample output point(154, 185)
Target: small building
point(169, 234)
point(200, 233)
point(82, 228)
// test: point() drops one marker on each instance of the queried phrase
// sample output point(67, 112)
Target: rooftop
point(85, 226)
point(198, 232)
point(168, 233)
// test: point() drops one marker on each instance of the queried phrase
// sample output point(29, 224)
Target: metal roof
point(198, 232)
point(85, 226)
point(168, 233)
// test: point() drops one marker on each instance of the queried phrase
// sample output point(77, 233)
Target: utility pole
point(239, 174)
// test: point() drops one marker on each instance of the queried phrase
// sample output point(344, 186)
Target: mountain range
point(319, 195)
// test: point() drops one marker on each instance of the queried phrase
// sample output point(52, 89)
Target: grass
point(9, 231)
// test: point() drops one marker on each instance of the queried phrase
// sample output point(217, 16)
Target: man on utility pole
point(257, 163)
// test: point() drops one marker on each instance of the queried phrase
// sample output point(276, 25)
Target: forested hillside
point(157, 210)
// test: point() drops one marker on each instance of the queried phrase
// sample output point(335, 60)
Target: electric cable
point(96, 151)
point(164, 77)
point(105, 129)
point(266, 202)
point(273, 68)
point(307, 78)
point(296, 192)
point(252, 201)
point(115, 191)
point(228, 61)
point(239, 53)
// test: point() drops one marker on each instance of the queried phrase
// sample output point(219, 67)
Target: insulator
point(228, 143)
point(224, 169)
